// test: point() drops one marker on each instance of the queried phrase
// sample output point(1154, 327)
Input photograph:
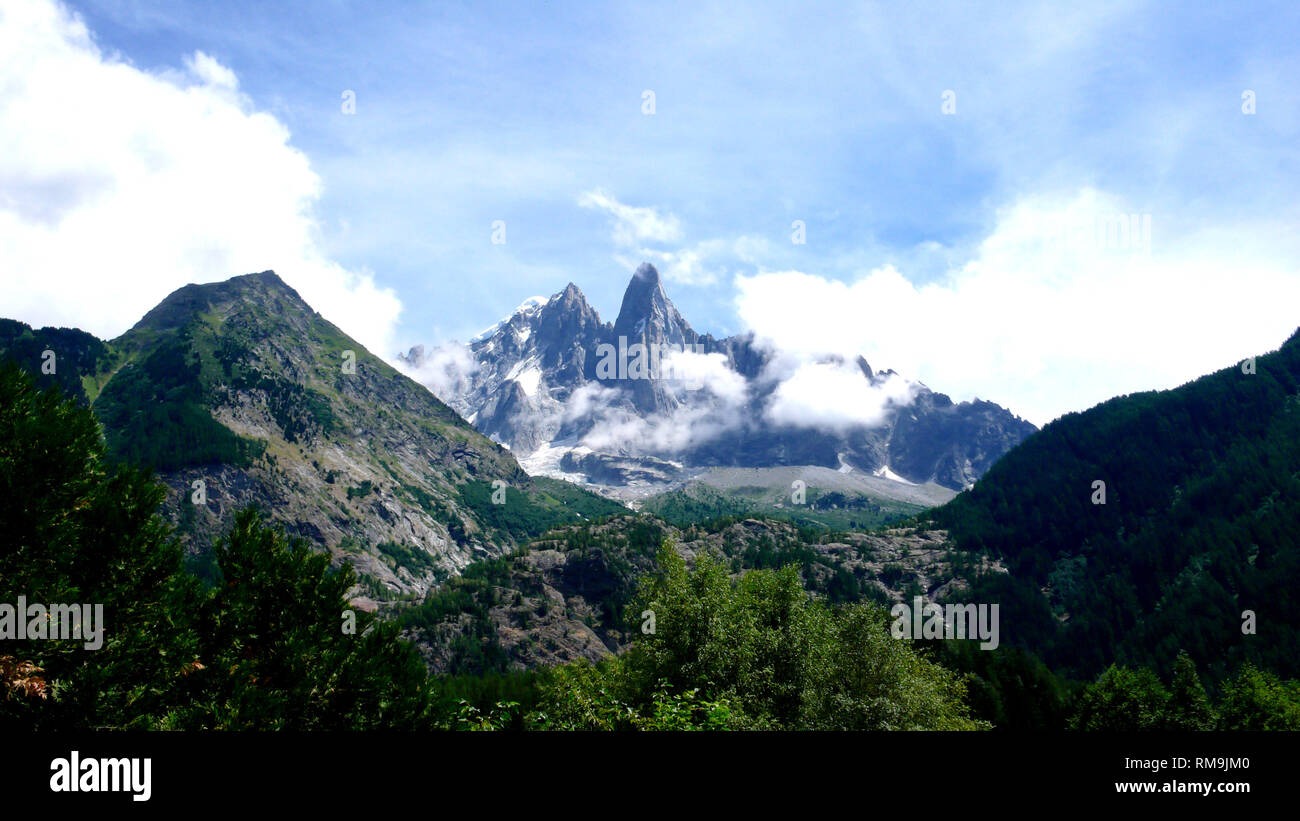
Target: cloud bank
point(118, 186)
point(1055, 312)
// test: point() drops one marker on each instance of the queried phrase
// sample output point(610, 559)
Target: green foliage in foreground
point(1008, 687)
point(275, 652)
point(75, 531)
point(264, 648)
point(757, 653)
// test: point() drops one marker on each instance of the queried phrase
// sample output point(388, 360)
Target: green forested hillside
point(73, 355)
point(1200, 522)
point(264, 649)
point(752, 625)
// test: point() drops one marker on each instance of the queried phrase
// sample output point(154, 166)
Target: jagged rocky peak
point(517, 318)
point(567, 316)
point(647, 314)
point(572, 294)
point(415, 356)
point(865, 368)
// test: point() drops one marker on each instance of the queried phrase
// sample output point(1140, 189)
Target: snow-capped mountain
point(647, 399)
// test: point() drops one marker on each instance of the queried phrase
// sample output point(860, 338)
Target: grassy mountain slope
point(241, 390)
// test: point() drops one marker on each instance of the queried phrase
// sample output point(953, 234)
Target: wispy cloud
point(634, 224)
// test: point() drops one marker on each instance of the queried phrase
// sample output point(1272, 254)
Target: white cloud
point(714, 400)
point(702, 264)
point(687, 266)
point(1046, 326)
point(587, 399)
point(636, 225)
point(709, 371)
point(445, 369)
point(633, 224)
point(118, 186)
point(211, 72)
point(835, 396)
point(620, 430)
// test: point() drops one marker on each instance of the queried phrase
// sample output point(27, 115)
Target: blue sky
point(766, 113)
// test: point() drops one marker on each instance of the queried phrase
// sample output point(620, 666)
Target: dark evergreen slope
point(1201, 522)
point(74, 353)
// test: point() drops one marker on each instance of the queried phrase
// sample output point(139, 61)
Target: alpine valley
point(577, 477)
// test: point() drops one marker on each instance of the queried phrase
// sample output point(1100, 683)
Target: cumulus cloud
point(210, 72)
point(1055, 311)
point(836, 396)
point(445, 369)
point(709, 372)
point(620, 430)
point(588, 399)
point(118, 186)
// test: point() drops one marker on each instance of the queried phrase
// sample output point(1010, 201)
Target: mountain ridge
point(557, 384)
